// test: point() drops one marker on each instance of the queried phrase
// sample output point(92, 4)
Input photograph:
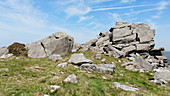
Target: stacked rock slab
point(128, 40)
point(57, 43)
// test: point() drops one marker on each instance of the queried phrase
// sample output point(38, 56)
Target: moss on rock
point(18, 49)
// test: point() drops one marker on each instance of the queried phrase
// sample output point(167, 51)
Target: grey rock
point(98, 56)
point(79, 58)
point(54, 88)
point(71, 78)
point(103, 60)
point(128, 49)
point(62, 64)
point(5, 56)
point(145, 47)
point(57, 43)
point(103, 34)
point(161, 82)
point(113, 52)
point(144, 32)
point(162, 74)
point(3, 51)
point(102, 68)
point(143, 64)
point(76, 47)
point(54, 57)
point(124, 87)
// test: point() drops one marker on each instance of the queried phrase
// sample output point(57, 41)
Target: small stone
point(71, 78)
point(103, 60)
point(104, 78)
point(54, 88)
point(98, 56)
point(4, 70)
point(62, 64)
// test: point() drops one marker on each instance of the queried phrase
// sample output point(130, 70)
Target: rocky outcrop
point(58, 43)
point(129, 40)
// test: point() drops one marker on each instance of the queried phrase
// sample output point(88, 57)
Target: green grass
point(32, 77)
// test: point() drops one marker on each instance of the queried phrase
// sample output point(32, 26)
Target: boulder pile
point(129, 40)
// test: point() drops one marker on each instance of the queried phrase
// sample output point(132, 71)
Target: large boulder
point(57, 43)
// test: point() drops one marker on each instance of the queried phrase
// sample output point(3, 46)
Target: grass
point(33, 77)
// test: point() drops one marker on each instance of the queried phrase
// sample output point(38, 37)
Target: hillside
point(33, 77)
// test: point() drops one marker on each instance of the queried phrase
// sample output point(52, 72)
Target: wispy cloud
point(161, 6)
point(117, 17)
point(125, 7)
point(127, 1)
point(84, 18)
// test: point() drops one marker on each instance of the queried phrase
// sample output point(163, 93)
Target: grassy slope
point(23, 79)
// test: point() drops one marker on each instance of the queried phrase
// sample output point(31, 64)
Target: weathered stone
point(145, 47)
point(101, 40)
point(76, 47)
point(124, 87)
point(79, 58)
point(3, 51)
point(58, 43)
point(103, 34)
point(128, 49)
point(62, 64)
point(102, 68)
point(143, 64)
point(162, 74)
point(54, 57)
point(157, 52)
point(98, 56)
point(54, 88)
point(5, 56)
point(125, 40)
point(71, 78)
point(144, 33)
point(113, 52)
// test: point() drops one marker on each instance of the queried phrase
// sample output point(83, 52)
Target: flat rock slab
point(102, 68)
point(124, 87)
point(79, 58)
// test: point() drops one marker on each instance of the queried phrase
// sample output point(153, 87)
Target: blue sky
point(27, 21)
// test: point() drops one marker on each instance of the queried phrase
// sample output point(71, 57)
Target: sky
point(27, 21)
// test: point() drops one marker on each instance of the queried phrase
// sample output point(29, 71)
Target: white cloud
point(125, 7)
point(98, 1)
point(117, 17)
point(84, 18)
point(21, 21)
point(77, 10)
point(127, 1)
point(161, 6)
point(152, 24)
